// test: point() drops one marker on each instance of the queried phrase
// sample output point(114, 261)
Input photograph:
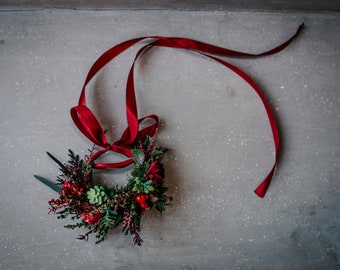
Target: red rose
point(155, 172)
point(91, 219)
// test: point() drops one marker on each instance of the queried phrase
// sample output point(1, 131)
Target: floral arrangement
point(100, 208)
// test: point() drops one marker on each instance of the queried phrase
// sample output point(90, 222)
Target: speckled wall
point(213, 123)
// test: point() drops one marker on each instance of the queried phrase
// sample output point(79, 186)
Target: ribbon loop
point(87, 123)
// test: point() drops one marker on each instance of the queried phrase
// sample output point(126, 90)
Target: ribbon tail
point(262, 188)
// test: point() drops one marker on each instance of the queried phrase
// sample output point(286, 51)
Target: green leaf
point(147, 186)
point(61, 165)
point(149, 189)
point(48, 183)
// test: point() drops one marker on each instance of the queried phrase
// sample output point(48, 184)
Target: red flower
point(155, 172)
point(69, 190)
point(91, 219)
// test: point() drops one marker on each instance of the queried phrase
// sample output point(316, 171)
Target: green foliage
point(78, 170)
point(140, 185)
point(162, 202)
point(163, 199)
point(140, 170)
point(110, 219)
point(158, 153)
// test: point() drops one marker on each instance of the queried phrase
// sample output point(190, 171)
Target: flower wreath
point(98, 207)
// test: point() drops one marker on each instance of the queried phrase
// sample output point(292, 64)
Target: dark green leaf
point(163, 189)
point(48, 183)
point(61, 165)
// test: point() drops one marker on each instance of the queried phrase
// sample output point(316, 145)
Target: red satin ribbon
point(87, 123)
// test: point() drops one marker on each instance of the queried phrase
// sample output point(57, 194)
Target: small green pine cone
point(97, 195)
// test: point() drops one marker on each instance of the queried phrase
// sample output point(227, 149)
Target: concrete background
point(214, 124)
point(283, 5)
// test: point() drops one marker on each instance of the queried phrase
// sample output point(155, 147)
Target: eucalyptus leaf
point(138, 156)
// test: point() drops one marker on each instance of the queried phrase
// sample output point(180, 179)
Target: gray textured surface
point(213, 123)
point(310, 5)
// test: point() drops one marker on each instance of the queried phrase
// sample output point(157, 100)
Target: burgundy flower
point(155, 172)
point(69, 190)
point(91, 218)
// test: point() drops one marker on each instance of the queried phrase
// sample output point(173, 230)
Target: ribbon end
point(260, 191)
point(262, 188)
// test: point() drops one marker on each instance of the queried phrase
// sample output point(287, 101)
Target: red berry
point(141, 199)
point(144, 205)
